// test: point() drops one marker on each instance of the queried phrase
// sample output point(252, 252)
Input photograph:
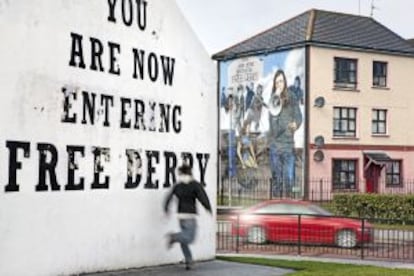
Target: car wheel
point(256, 234)
point(346, 239)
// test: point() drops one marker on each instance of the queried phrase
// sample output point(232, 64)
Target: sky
point(220, 24)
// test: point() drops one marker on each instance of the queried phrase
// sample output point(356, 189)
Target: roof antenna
point(373, 7)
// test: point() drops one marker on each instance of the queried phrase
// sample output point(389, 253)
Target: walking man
point(187, 191)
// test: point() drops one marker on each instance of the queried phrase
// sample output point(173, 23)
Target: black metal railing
point(233, 192)
point(321, 236)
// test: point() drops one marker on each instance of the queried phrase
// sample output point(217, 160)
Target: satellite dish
point(318, 156)
point(319, 102)
point(319, 141)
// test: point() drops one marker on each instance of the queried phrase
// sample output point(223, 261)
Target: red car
point(278, 221)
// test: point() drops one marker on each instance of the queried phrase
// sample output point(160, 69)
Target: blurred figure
point(187, 190)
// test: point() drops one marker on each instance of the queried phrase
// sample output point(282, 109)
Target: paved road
point(209, 268)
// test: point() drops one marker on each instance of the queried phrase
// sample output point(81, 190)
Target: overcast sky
point(222, 23)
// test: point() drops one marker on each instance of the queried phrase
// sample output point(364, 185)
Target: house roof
point(325, 28)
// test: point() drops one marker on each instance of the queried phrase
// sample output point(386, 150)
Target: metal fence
point(232, 192)
point(323, 189)
point(321, 236)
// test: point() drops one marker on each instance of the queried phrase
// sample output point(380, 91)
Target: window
point(344, 122)
point(281, 208)
point(393, 173)
point(274, 209)
point(345, 73)
point(379, 74)
point(379, 121)
point(344, 174)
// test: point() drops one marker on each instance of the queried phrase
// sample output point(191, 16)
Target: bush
point(389, 207)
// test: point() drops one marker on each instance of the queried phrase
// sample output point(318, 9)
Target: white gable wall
point(75, 228)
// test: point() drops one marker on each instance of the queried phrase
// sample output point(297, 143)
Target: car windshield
point(287, 208)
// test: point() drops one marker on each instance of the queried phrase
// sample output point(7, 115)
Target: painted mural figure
point(284, 119)
point(245, 150)
point(239, 109)
point(223, 99)
point(187, 191)
point(249, 95)
point(247, 177)
point(297, 90)
point(232, 109)
point(254, 112)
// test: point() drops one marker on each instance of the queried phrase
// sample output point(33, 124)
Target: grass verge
point(306, 268)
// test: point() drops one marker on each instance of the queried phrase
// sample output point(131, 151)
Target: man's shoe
point(188, 266)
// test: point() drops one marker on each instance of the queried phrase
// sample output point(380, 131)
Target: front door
point(372, 175)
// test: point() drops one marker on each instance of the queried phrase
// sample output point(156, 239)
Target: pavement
point(224, 268)
point(207, 268)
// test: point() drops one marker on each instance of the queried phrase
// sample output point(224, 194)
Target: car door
point(280, 223)
point(314, 228)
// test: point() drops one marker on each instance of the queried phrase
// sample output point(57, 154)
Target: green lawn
point(306, 268)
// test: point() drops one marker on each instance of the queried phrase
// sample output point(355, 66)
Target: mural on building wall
point(262, 119)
